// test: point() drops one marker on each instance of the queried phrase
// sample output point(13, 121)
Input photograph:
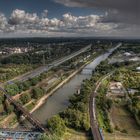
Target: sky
point(70, 18)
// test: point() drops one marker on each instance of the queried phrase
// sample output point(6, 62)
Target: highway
point(46, 68)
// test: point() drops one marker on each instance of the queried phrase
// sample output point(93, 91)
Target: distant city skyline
point(70, 18)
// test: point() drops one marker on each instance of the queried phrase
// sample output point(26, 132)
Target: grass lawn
point(120, 136)
point(75, 135)
point(100, 119)
point(122, 119)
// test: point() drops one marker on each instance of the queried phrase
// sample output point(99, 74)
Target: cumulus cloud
point(21, 17)
point(31, 22)
point(22, 22)
point(126, 11)
point(3, 22)
point(45, 13)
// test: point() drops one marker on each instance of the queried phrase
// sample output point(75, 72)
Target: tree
point(12, 89)
point(56, 126)
point(37, 92)
point(34, 81)
point(109, 103)
point(48, 137)
point(20, 86)
point(1, 98)
point(25, 98)
point(26, 85)
point(8, 107)
point(76, 119)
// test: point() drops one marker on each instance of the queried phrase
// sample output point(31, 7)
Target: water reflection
point(59, 101)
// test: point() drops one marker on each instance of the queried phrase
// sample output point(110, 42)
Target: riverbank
point(44, 98)
point(59, 102)
point(37, 104)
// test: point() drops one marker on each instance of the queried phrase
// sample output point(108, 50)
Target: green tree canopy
point(56, 126)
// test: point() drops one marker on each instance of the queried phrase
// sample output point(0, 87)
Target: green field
point(124, 124)
point(75, 135)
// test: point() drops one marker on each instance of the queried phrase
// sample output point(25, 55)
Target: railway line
point(35, 122)
point(96, 131)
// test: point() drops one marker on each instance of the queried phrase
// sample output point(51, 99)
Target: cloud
point(21, 17)
point(3, 22)
point(126, 11)
point(21, 22)
point(45, 13)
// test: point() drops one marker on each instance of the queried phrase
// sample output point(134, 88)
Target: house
point(116, 88)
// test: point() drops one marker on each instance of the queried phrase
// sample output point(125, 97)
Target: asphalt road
point(46, 68)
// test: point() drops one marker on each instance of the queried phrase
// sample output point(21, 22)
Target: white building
point(127, 54)
point(138, 68)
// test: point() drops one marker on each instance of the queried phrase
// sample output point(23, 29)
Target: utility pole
point(43, 59)
point(28, 44)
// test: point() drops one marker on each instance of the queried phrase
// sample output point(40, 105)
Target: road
point(46, 68)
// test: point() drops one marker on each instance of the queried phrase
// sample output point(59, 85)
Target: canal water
point(59, 101)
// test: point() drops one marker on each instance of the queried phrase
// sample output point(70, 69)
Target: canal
point(59, 101)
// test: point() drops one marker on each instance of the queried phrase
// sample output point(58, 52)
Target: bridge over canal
point(35, 122)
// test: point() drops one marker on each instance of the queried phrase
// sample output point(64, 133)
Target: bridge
point(20, 108)
point(8, 134)
point(25, 113)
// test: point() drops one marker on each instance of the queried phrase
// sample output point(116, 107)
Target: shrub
point(25, 98)
point(37, 92)
point(124, 131)
point(56, 126)
point(12, 89)
point(26, 85)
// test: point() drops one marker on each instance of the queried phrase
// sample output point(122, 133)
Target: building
point(116, 89)
point(138, 69)
point(127, 54)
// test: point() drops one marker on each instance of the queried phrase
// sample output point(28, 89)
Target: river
point(59, 101)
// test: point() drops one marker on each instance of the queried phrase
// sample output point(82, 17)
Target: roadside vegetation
point(10, 71)
point(104, 105)
point(76, 116)
point(119, 112)
point(32, 55)
point(29, 92)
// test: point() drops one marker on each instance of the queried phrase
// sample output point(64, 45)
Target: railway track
point(96, 132)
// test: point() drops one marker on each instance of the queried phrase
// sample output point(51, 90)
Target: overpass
point(25, 113)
